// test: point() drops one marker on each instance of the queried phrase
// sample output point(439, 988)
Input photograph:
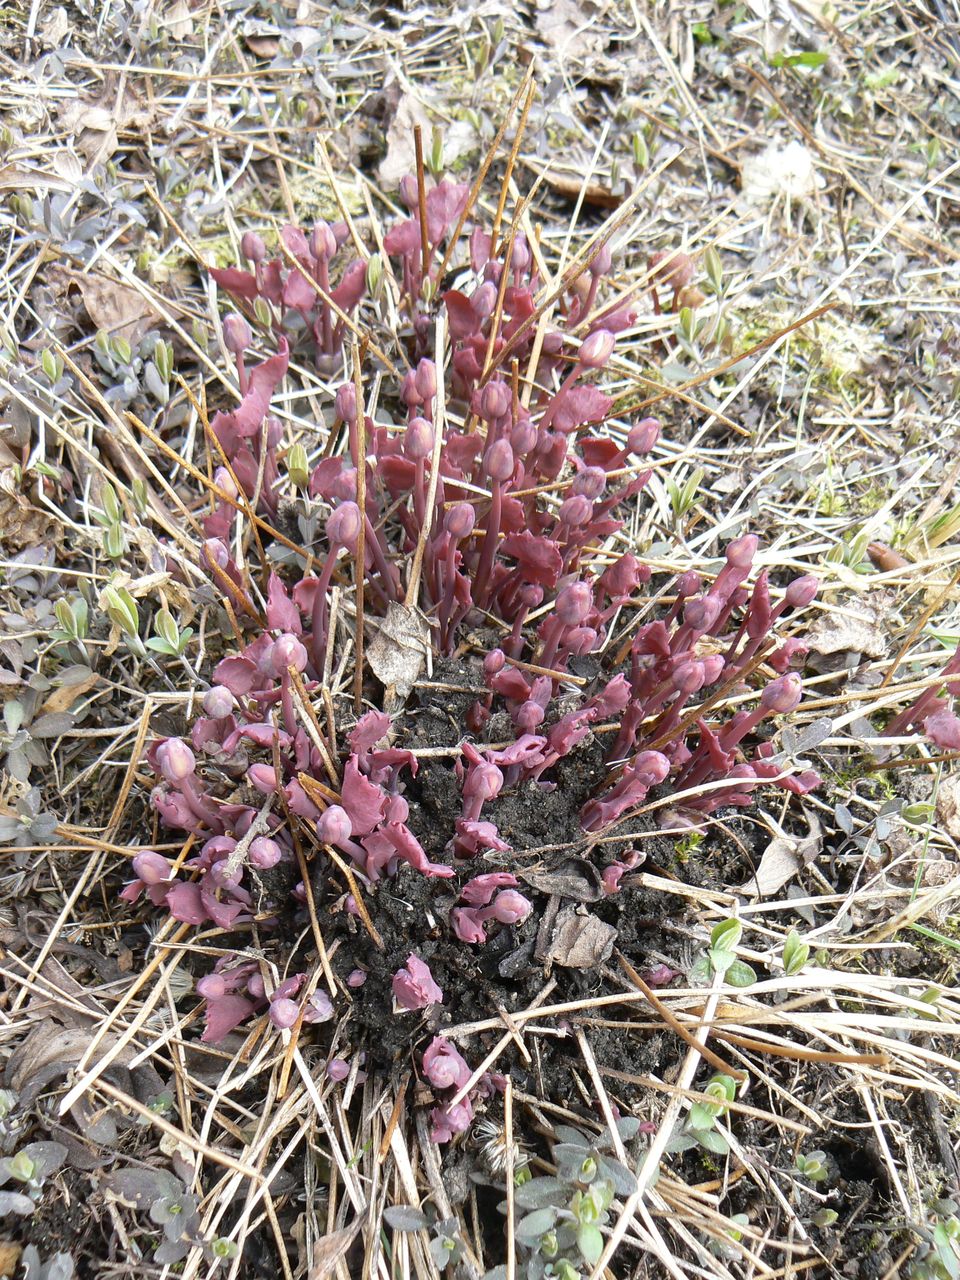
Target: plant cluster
point(511, 507)
point(560, 1216)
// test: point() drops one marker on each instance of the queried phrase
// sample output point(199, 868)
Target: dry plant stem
point(525, 86)
point(508, 1173)
point(917, 627)
point(360, 575)
point(511, 162)
point(439, 421)
point(422, 205)
point(676, 1025)
point(357, 897)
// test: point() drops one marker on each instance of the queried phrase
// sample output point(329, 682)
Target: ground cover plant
point(479, 662)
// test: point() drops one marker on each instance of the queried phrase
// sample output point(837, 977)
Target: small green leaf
point(51, 365)
point(740, 974)
point(713, 268)
point(641, 152)
point(166, 627)
point(298, 468)
point(811, 58)
point(114, 543)
point(121, 348)
point(726, 935)
point(796, 953)
point(590, 1244)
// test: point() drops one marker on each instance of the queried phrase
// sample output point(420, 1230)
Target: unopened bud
point(264, 853)
point(287, 652)
point(236, 334)
point(643, 435)
point(252, 247)
point(334, 825)
point(284, 1013)
point(597, 349)
point(590, 482)
point(576, 511)
point(498, 461)
point(151, 867)
point(511, 907)
point(343, 526)
point(175, 759)
point(459, 520)
point(218, 702)
point(426, 380)
point(782, 695)
point(418, 439)
point(345, 402)
point(802, 590)
point(323, 245)
point(494, 401)
point(573, 604)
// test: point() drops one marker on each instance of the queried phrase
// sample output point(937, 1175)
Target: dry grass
point(836, 441)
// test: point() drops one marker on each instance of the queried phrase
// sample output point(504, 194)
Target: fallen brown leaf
point(115, 307)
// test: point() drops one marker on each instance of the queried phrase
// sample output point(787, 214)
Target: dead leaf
point(575, 878)
point(855, 628)
point(783, 857)
point(96, 124)
point(571, 188)
point(115, 307)
point(329, 1249)
point(580, 941)
point(565, 26)
point(9, 1257)
point(19, 177)
point(400, 158)
point(21, 523)
point(397, 652)
point(66, 694)
point(178, 21)
point(55, 27)
point(885, 558)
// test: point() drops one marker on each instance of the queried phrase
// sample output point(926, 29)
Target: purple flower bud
point(211, 987)
point(602, 262)
point(426, 380)
point(252, 247)
point(345, 402)
point(483, 781)
point(262, 778)
point(459, 520)
point(597, 348)
point(151, 867)
point(334, 825)
point(343, 526)
point(287, 652)
point(494, 662)
point(216, 552)
point(264, 853)
point(498, 461)
point(521, 257)
point(573, 604)
point(418, 439)
point(255, 986)
point(338, 1069)
point(531, 595)
point(272, 432)
point(510, 907)
point(319, 1008)
point(741, 551)
point(323, 243)
point(701, 613)
point(590, 482)
point(494, 401)
point(478, 891)
point(409, 394)
point(218, 702)
point(688, 678)
point(529, 715)
point(236, 334)
point(523, 437)
point(484, 301)
point(284, 1013)
point(356, 978)
point(413, 985)
point(802, 590)
point(712, 668)
point(409, 192)
point(576, 511)
point(782, 695)
point(225, 482)
point(175, 759)
point(443, 1066)
point(643, 435)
